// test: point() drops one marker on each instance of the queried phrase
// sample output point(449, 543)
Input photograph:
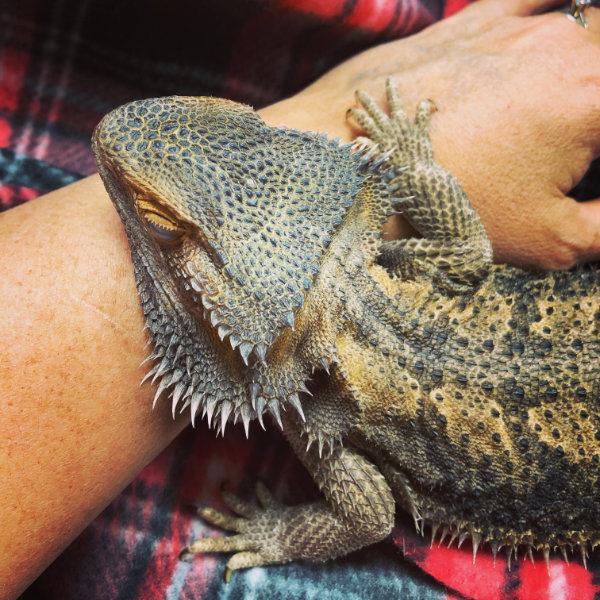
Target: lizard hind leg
point(453, 239)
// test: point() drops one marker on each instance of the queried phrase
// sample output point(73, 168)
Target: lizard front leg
point(358, 511)
point(453, 239)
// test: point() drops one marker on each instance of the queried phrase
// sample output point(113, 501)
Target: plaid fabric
point(131, 550)
point(63, 64)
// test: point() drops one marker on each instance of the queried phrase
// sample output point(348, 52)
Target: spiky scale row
point(325, 442)
point(218, 320)
point(460, 531)
point(217, 413)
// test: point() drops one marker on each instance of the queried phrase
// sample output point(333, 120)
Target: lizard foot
point(270, 533)
point(260, 531)
point(407, 140)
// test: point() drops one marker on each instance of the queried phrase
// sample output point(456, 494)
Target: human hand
point(518, 119)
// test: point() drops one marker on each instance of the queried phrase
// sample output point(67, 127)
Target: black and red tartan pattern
point(131, 550)
point(63, 64)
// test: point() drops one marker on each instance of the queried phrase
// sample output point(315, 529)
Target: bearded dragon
point(411, 372)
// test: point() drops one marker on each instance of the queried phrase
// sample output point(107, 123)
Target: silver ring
point(575, 13)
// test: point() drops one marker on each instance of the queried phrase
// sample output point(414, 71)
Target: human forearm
point(75, 425)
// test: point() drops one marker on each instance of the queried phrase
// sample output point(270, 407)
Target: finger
point(592, 17)
point(373, 109)
point(239, 506)
point(589, 35)
point(363, 120)
point(264, 496)
point(478, 16)
point(232, 543)
point(560, 233)
point(244, 560)
point(587, 226)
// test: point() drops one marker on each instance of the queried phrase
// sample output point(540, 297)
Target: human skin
point(75, 424)
point(518, 118)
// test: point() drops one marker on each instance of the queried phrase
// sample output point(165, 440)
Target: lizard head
point(242, 213)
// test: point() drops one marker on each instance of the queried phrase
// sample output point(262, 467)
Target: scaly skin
point(419, 373)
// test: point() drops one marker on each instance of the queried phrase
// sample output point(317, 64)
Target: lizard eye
point(161, 226)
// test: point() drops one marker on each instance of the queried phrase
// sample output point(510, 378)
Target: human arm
point(518, 119)
point(75, 425)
